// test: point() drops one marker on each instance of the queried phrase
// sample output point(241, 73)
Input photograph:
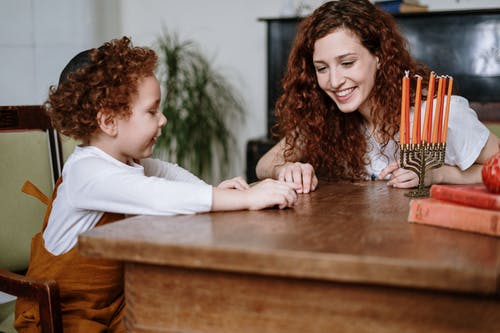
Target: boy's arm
point(267, 193)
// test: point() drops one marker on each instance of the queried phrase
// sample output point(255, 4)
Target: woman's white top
point(466, 137)
point(94, 183)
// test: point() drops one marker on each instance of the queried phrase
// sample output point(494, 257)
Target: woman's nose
point(336, 79)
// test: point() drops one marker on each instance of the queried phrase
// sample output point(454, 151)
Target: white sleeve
point(158, 168)
point(466, 135)
point(97, 185)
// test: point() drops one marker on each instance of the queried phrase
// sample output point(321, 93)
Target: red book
point(470, 195)
point(454, 216)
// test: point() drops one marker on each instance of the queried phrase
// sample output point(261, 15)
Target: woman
point(339, 113)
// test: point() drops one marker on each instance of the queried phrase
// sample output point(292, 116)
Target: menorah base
point(420, 192)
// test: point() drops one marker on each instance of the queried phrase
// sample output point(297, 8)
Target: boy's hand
point(236, 183)
point(300, 174)
point(269, 192)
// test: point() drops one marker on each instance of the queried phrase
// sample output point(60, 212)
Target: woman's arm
point(269, 163)
point(447, 174)
point(469, 145)
point(273, 165)
point(453, 175)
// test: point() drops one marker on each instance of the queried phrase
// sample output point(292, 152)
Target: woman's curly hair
point(98, 80)
point(332, 141)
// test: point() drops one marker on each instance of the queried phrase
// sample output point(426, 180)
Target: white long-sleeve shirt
point(95, 183)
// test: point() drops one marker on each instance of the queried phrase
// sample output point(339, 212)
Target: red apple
point(491, 173)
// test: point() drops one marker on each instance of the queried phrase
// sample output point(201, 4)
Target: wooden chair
point(24, 119)
point(45, 292)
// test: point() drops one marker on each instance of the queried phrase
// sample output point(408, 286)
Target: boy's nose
point(163, 120)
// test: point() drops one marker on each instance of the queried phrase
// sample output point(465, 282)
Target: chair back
point(31, 150)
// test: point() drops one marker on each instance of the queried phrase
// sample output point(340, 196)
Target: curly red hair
point(332, 141)
point(98, 80)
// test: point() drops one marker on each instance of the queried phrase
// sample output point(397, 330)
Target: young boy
point(109, 99)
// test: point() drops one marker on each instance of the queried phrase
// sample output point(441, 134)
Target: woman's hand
point(402, 178)
point(237, 183)
point(300, 174)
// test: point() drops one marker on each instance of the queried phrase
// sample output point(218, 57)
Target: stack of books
point(463, 207)
point(401, 6)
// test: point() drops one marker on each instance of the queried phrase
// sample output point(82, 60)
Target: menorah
point(420, 158)
point(425, 148)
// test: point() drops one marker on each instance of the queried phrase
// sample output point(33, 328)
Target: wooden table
point(344, 259)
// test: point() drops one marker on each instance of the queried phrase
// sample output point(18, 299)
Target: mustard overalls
point(91, 290)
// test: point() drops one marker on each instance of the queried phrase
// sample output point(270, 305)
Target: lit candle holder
point(427, 151)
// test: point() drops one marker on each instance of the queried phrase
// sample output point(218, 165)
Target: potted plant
point(201, 106)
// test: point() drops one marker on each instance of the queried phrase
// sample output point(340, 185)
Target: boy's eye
point(153, 112)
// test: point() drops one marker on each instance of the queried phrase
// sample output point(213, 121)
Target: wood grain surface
point(344, 259)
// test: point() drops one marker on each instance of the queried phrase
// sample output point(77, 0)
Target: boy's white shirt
point(466, 138)
point(94, 183)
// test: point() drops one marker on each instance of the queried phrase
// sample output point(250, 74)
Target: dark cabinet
point(280, 35)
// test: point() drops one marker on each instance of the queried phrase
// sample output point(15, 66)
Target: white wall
point(38, 37)
point(228, 31)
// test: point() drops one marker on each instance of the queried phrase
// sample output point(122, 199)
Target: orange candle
point(402, 126)
point(437, 120)
point(407, 109)
point(416, 112)
point(441, 111)
point(426, 135)
point(447, 112)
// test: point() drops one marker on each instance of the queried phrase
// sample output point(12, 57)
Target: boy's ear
point(107, 123)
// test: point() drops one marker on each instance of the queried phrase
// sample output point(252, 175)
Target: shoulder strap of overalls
point(30, 189)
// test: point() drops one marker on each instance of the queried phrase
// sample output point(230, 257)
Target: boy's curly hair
point(98, 80)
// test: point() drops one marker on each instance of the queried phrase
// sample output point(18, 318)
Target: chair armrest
point(45, 292)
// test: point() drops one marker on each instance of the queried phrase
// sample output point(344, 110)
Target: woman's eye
point(347, 63)
point(320, 69)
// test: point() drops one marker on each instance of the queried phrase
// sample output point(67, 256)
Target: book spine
point(442, 214)
point(391, 7)
point(465, 197)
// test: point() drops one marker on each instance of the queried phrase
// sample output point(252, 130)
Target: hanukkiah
point(424, 148)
